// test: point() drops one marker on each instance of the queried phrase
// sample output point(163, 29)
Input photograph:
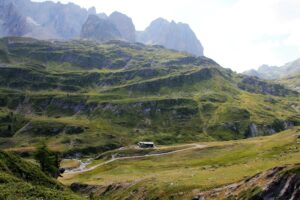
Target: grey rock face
point(11, 22)
point(99, 29)
point(50, 20)
point(43, 20)
point(256, 85)
point(124, 24)
point(253, 130)
point(177, 36)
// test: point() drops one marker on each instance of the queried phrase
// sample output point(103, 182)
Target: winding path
point(82, 167)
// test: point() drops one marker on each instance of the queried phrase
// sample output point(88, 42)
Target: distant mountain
point(177, 36)
point(46, 20)
point(102, 30)
point(11, 22)
point(124, 24)
point(274, 72)
point(288, 75)
point(50, 20)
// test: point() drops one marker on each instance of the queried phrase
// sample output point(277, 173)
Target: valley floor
point(182, 172)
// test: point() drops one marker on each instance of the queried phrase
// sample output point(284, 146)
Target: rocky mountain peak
point(11, 21)
point(124, 24)
point(99, 29)
point(50, 20)
point(92, 11)
point(172, 35)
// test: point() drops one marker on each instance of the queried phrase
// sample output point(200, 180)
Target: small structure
point(145, 145)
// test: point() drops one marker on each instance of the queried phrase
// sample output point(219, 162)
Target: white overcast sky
point(238, 34)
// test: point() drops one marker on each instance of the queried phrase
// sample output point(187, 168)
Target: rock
point(277, 183)
point(253, 130)
point(53, 20)
point(256, 85)
point(283, 187)
point(12, 23)
point(124, 25)
point(177, 36)
point(99, 29)
point(79, 187)
point(92, 11)
point(73, 130)
point(197, 197)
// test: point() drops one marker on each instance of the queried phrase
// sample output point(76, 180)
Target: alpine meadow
point(92, 108)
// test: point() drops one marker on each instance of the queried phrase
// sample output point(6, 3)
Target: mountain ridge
point(275, 72)
point(172, 35)
point(50, 20)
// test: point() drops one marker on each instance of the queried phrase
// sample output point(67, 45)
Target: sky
point(238, 34)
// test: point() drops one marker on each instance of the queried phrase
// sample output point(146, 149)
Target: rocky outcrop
point(99, 29)
point(124, 25)
point(256, 85)
point(277, 183)
point(154, 86)
point(269, 129)
point(177, 36)
point(99, 191)
point(103, 29)
point(284, 187)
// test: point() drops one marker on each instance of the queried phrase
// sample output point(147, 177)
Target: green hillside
point(213, 170)
point(292, 81)
point(21, 179)
point(86, 97)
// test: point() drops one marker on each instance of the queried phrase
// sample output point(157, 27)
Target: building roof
point(146, 142)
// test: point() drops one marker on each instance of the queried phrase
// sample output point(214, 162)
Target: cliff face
point(49, 20)
point(177, 36)
point(11, 22)
point(124, 24)
point(45, 20)
point(277, 183)
point(99, 29)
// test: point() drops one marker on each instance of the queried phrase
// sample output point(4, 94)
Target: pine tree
point(49, 161)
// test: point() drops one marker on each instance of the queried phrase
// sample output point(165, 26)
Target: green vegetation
point(85, 97)
point(49, 161)
point(291, 81)
point(184, 174)
point(20, 179)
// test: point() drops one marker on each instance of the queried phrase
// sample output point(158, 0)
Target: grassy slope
point(123, 93)
point(185, 173)
point(292, 81)
point(20, 179)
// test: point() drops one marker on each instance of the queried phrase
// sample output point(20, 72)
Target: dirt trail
point(83, 165)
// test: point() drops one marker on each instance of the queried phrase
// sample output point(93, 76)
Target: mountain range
point(49, 20)
point(288, 74)
point(275, 72)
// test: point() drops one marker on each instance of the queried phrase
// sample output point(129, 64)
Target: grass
point(292, 81)
point(183, 174)
point(69, 164)
point(20, 179)
point(164, 96)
